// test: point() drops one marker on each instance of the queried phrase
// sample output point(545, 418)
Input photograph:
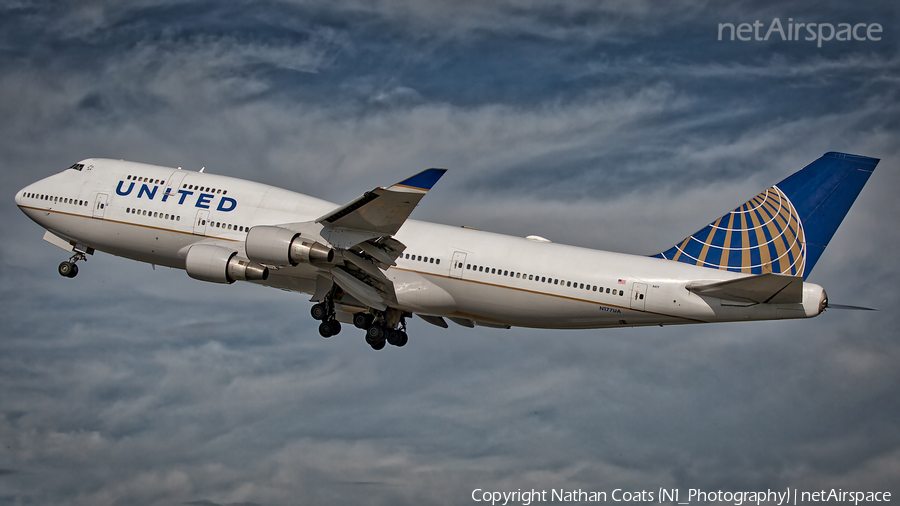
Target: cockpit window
point(77, 166)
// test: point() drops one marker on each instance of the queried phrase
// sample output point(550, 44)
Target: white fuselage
point(464, 273)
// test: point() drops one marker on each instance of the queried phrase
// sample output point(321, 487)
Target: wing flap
point(761, 289)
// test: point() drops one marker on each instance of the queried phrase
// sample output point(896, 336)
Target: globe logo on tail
point(763, 235)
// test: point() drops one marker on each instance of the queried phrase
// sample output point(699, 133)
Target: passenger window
point(614, 292)
point(225, 192)
point(229, 227)
point(128, 210)
point(518, 275)
point(582, 285)
point(438, 261)
point(480, 269)
point(468, 266)
point(595, 288)
point(543, 280)
point(407, 256)
point(642, 296)
point(607, 290)
point(493, 271)
point(178, 218)
point(420, 258)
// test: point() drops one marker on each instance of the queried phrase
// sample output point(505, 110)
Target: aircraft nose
point(20, 196)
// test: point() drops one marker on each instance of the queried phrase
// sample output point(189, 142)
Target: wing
point(380, 212)
point(361, 234)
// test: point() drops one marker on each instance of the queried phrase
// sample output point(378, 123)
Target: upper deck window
point(77, 166)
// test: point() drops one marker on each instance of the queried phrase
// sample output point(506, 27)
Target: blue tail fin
point(785, 228)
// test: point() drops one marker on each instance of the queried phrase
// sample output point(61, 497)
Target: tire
point(375, 331)
point(65, 269)
point(361, 321)
point(394, 338)
point(374, 334)
point(378, 344)
point(325, 330)
point(335, 327)
point(74, 271)
point(318, 312)
point(403, 340)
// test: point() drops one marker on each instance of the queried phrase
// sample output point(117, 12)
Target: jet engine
point(280, 246)
point(216, 264)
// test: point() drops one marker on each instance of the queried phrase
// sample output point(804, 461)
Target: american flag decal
point(621, 281)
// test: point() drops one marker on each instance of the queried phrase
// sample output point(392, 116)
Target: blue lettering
point(232, 204)
point(166, 195)
point(119, 188)
point(146, 189)
point(184, 193)
point(203, 200)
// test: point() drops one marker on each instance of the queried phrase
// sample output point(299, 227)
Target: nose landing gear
point(68, 269)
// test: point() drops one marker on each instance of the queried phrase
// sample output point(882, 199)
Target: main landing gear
point(383, 327)
point(324, 312)
point(380, 331)
point(68, 268)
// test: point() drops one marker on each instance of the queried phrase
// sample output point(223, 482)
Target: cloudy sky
point(621, 125)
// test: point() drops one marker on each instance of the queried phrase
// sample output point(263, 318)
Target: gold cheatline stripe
point(546, 294)
point(91, 217)
point(398, 268)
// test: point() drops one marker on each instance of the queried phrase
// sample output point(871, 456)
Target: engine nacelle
point(216, 264)
point(280, 246)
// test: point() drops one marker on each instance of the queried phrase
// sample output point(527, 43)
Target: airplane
point(367, 264)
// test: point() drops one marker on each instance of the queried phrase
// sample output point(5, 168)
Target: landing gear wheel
point(374, 334)
point(68, 269)
point(326, 330)
point(335, 327)
point(394, 338)
point(378, 344)
point(318, 311)
point(403, 339)
point(363, 320)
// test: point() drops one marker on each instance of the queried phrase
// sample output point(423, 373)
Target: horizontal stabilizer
point(762, 289)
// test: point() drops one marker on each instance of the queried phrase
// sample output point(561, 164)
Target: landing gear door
point(100, 204)
point(638, 296)
point(200, 222)
point(457, 265)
